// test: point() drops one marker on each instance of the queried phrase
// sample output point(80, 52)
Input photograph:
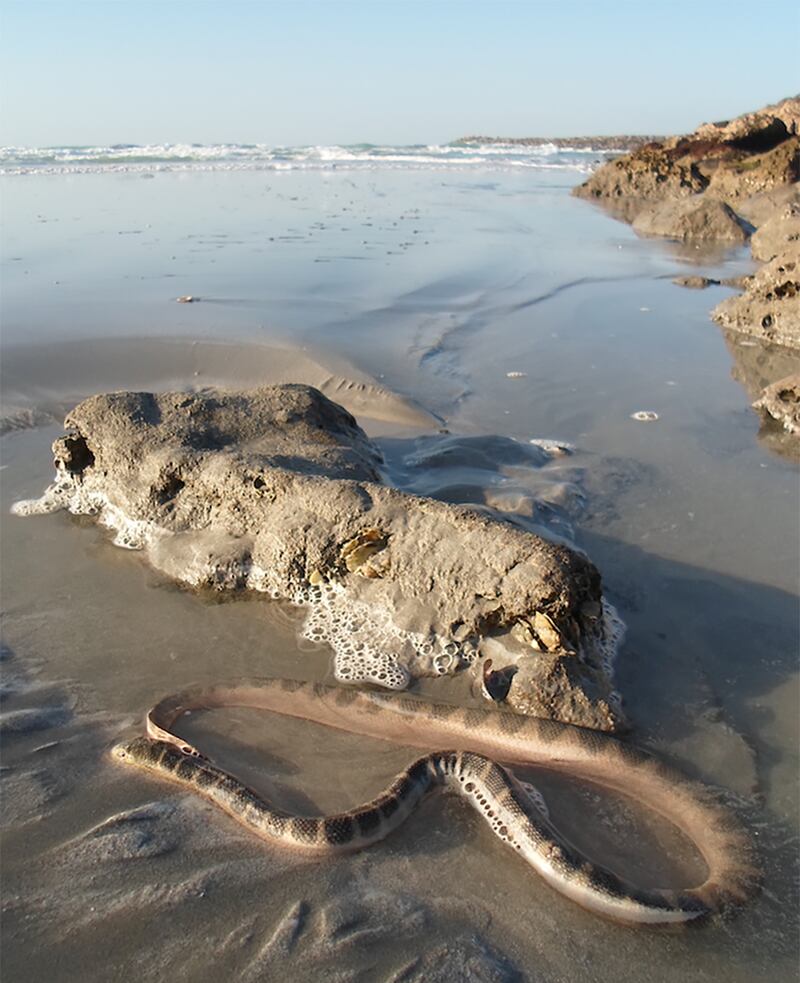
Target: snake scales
point(732, 875)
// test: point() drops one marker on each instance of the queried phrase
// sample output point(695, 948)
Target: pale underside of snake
point(732, 875)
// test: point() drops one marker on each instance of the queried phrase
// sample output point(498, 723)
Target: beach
point(461, 291)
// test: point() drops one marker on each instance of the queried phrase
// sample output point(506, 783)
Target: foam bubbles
point(610, 636)
point(368, 646)
point(365, 647)
point(66, 493)
point(55, 498)
point(601, 648)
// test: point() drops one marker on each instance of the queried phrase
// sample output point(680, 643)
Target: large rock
point(778, 233)
point(695, 218)
point(759, 209)
point(761, 129)
point(744, 175)
point(649, 173)
point(751, 155)
point(279, 490)
point(560, 689)
point(769, 308)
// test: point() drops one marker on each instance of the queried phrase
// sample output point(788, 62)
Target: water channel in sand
point(437, 286)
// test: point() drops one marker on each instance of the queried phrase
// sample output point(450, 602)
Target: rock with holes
point(279, 490)
point(651, 173)
point(740, 175)
point(730, 161)
point(769, 307)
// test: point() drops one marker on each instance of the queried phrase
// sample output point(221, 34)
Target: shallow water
point(458, 280)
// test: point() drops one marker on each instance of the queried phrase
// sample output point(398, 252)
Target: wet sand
point(691, 519)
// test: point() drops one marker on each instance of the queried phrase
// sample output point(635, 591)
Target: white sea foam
point(66, 493)
point(234, 156)
point(368, 646)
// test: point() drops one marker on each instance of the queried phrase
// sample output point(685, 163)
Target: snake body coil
point(488, 787)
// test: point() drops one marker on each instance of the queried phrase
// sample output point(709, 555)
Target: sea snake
point(493, 791)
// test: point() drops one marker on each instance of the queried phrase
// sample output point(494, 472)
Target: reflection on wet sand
point(757, 365)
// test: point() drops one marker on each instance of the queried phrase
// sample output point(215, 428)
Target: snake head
point(120, 752)
point(139, 751)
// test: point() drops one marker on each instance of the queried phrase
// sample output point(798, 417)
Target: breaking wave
point(244, 156)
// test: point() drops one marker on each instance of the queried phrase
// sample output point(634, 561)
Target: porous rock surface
point(762, 127)
point(750, 155)
point(769, 307)
point(781, 402)
point(696, 217)
point(778, 233)
point(650, 173)
point(738, 176)
point(554, 686)
point(278, 489)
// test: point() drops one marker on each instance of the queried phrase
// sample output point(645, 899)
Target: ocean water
point(132, 158)
point(470, 282)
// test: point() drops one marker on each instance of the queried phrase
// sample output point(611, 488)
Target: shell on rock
point(547, 631)
point(522, 630)
point(358, 550)
point(544, 635)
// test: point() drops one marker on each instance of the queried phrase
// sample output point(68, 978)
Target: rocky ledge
point(731, 162)
point(279, 490)
point(600, 143)
point(726, 181)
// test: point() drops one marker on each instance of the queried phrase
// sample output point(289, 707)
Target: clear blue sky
point(415, 71)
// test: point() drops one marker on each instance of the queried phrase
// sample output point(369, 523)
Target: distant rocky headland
point(734, 181)
point(606, 143)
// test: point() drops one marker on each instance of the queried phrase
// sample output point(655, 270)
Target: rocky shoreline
point(607, 143)
point(733, 181)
